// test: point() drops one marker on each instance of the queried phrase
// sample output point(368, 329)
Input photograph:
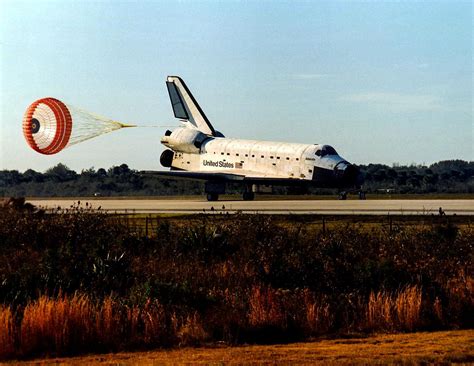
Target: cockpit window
point(326, 150)
point(329, 150)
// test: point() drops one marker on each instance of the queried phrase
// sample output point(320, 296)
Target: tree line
point(449, 176)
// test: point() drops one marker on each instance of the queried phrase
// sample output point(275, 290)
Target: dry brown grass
point(75, 324)
point(153, 318)
point(108, 323)
point(57, 324)
point(6, 332)
point(68, 323)
point(192, 330)
point(379, 310)
point(408, 307)
point(319, 317)
point(408, 349)
point(401, 311)
point(266, 308)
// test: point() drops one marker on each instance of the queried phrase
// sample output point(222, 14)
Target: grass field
point(413, 348)
point(81, 281)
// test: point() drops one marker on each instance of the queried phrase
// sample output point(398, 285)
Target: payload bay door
point(294, 171)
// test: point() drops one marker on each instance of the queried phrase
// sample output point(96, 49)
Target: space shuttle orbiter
point(196, 150)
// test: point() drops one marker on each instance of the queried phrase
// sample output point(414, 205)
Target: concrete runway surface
point(328, 207)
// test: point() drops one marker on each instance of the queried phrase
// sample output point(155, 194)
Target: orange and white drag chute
point(47, 126)
point(50, 125)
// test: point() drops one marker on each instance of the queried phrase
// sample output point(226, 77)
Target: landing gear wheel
point(343, 196)
point(248, 196)
point(212, 196)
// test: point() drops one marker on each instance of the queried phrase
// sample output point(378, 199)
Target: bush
point(80, 280)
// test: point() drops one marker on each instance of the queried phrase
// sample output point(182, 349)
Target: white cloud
point(397, 102)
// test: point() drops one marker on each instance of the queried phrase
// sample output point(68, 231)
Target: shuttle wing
point(196, 175)
point(218, 176)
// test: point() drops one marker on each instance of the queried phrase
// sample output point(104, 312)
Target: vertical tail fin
point(186, 107)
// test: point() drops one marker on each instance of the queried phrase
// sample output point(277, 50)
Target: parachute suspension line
point(155, 126)
point(87, 125)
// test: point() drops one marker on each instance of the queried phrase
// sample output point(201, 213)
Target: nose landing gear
point(248, 196)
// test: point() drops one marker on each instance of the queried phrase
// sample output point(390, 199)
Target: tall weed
point(7, 335)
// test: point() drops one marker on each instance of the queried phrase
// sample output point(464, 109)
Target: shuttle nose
point(350, 174)
point(346, 173)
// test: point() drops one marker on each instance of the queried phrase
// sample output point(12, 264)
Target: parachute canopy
point(49, 125)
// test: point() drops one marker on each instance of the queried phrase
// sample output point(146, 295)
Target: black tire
point(248, 196)
point(212, 196)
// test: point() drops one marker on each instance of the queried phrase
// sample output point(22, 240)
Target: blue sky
point(383, 82)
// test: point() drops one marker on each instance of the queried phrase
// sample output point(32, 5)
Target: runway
point(332, 207)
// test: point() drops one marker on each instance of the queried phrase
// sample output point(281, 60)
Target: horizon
point(392, 166)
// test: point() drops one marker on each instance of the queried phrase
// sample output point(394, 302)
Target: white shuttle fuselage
point(198, 151)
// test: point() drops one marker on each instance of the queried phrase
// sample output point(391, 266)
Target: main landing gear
point(247, 196)
point(343, 195)
point(212, 197)
point(214, 189)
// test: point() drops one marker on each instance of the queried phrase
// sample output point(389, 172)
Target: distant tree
point(61, 173)
point(110, 186)
point(101, 173)
point(124, 169)
point(32, 176)
point(455, 173)
point(88, 172)
point(113, 171)
point(392, 173)
point(430, 178)
point(413, 181)
point(451, 165)
point(380, 175)
point(10, 177)
point(445, 176)
point(117, 171)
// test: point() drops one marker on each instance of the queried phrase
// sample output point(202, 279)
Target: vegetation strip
point(81, 280)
